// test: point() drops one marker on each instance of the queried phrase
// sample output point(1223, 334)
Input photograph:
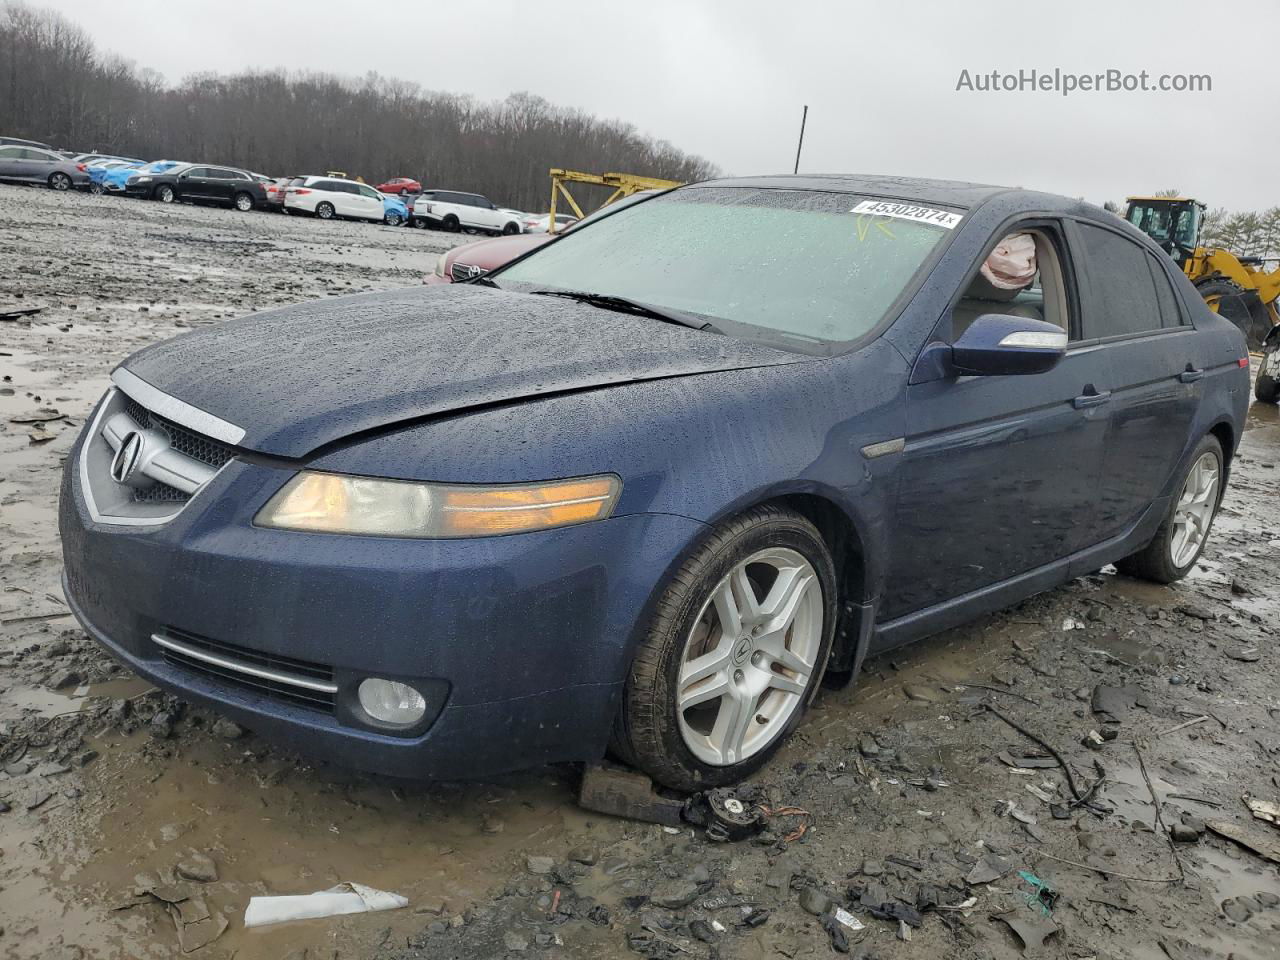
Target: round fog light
point(391, 702)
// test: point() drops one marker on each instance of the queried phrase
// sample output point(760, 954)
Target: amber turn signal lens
point(337, 503)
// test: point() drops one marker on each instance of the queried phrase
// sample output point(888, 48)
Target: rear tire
point(1228, 299)
point(767, 675)
point(59, 181)
point(1168, 558)
point(451, 224)
point(1267, 387)
point(243, 202)
point(510, 228)
point(324, 210)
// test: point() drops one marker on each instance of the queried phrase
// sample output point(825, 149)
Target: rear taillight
point(81, 167)
point(299, 190)
point(1242, 362)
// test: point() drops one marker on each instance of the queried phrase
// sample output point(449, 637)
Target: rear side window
point(1124, 293)
point(11, 153)
point(1170, 312)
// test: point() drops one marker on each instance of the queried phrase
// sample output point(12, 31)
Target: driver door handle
point(1091, 399)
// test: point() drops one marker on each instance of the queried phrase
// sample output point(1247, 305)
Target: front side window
point(790, 266)
point(1124, 292)
point(1020, 276)
point(368, 192)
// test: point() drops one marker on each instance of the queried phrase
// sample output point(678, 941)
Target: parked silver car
point(31, 165)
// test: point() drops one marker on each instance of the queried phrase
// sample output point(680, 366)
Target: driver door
point(999, 473)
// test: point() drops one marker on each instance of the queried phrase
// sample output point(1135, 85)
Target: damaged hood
point(300, 377)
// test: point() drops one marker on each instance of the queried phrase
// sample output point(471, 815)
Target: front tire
point(164, 193)
point(1184, 532)
point(96, 189)
point(324, 210)
point(59, 181)
point(243, 202)
point(393, 219)
point(734, 653)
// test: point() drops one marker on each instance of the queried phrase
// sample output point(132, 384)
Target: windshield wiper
point(481, 281)
point(608, 301)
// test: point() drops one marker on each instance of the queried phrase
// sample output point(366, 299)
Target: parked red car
point(399, 186)
point(473, 259)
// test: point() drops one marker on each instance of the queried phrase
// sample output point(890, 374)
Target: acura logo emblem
point(125, 463)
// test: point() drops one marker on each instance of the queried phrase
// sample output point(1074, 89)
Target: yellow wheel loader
point(1236, 287)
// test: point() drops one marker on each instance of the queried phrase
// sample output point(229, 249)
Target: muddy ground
point(926, 815)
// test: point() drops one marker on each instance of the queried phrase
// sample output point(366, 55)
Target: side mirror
point(997, 344)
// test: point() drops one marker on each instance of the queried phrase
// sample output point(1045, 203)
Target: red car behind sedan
point(472, 260)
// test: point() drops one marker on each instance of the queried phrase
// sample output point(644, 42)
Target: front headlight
point(142, 180)
point(337, 503)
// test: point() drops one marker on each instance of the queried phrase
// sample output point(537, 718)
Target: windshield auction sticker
point(908, 211)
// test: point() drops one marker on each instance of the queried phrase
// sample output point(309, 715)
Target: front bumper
point(528, 637)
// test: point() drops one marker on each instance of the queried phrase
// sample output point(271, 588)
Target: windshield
point(793, 264)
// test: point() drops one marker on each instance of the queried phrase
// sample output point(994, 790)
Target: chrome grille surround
point(169, 460)
point(465, 271)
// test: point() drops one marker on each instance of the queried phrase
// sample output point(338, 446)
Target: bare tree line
point(55, 86)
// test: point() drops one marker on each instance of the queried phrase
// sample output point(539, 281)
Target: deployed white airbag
point(1012, 264)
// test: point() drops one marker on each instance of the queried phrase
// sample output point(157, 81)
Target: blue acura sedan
point(640, 489)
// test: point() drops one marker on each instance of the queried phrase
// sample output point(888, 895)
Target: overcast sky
point(727, 79)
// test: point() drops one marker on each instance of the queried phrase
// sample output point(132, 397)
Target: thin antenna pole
point(803, 117)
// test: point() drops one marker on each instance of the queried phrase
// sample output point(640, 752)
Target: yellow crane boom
point(624, 184)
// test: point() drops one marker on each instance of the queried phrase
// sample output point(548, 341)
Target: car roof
point(951, 193)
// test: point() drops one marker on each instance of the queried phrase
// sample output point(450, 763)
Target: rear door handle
point(1190, 375)
point(1091, 399)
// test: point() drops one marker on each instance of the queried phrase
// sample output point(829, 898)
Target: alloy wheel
point(244, 202)
point(749, 657)
point(1194, 510)
point(60, 181)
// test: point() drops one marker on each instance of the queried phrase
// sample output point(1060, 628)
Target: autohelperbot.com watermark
point(1066, 82)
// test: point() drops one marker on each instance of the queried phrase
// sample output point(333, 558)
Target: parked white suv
point(329, 197)
point(453, 211)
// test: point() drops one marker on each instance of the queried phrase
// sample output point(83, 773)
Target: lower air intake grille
point(288, 680)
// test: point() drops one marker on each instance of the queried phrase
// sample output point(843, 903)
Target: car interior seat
point(987, 294)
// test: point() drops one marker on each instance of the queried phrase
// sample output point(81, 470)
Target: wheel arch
point(845, 537)
point(1226, 434)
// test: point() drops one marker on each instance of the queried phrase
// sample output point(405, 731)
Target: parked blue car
point(114, 181)
point(98, 172)
point(395, 210)
point(641, 488)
